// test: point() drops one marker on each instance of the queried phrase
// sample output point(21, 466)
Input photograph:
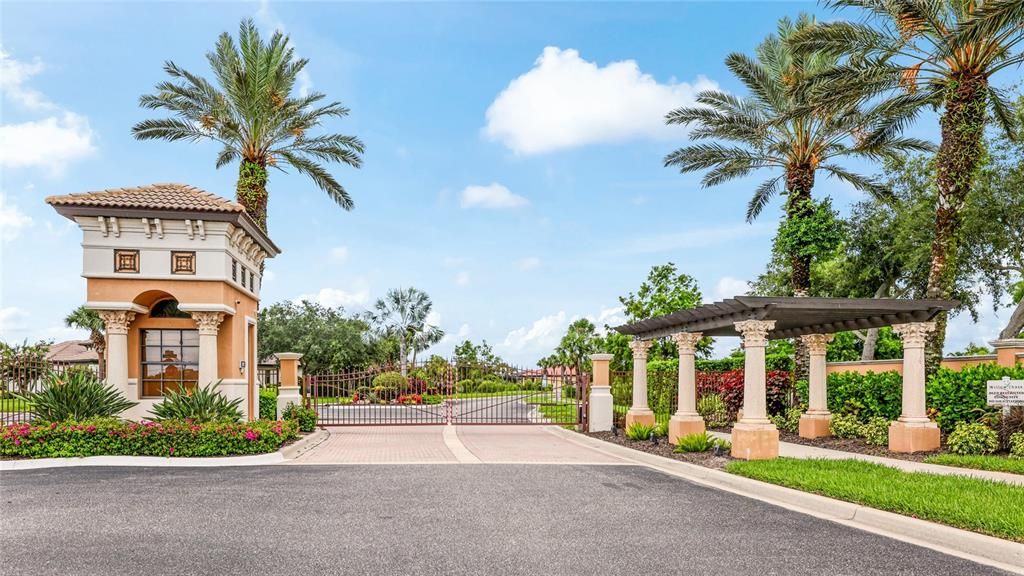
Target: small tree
point(86, 319)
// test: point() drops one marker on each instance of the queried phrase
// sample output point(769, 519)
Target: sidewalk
point(790, 450)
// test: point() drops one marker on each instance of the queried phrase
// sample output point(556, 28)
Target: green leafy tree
point(574, 350)
point(937, 54)
point(777, 128)
point(328, 340)
point(83, 318)
point(666, 290)
point(402, 314)
point(250, 110)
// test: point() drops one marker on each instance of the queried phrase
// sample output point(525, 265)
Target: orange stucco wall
point(951, 362)
point(230, 338)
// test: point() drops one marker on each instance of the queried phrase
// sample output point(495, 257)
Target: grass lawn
point(13, 405)
point(984, 506)
point(992, 463)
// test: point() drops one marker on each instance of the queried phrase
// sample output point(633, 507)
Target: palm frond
point(762, 196)
point(321, 177)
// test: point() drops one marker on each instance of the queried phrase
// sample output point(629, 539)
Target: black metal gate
point(446, 393)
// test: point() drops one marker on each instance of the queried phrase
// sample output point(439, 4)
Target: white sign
point(1006, 392)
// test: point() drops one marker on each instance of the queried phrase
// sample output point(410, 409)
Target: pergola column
point(913, 431)
point(815, 422)
point(639, 412)
point(288, 391)
point(686, 420)
point(208, 324)
point(755, 437)
point(116, 324)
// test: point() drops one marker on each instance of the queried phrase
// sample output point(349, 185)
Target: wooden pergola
point(758, 319)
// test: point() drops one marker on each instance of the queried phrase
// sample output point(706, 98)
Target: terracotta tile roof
point(72, 351)
point(153, 196)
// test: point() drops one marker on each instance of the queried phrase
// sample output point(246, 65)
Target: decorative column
point(815, 422)
point(208, 324)
point(754, 437)
point(288, 391)
point(686, 420)
point(913, 431)
point(602, 412)
point(639, 412)
point(116, 323)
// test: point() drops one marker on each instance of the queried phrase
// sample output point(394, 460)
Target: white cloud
point(542, 335)
point(453, 261)
point(613, 317)
point(697, 238)
point(434, 318)
point(565, 101)
point(334, 297)
point(530, 263)
point(491, 196)
point(339, 253)
point(727, 287)
point(462, 278)
point(268, 276)
point(963, 330)
point(462, 334)
point(14, 76)
point(12, 220)
point(50, 143)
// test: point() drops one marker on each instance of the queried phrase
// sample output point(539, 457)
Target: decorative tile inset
point(183, 262)
point(126, 261)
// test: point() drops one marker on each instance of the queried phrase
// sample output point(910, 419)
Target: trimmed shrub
point(972, 438)
point(201, 405)
point(866, 395)
point(661, 429)
point(876, 431)
point(640, 432)
point(844, 426)
point(77, 395)
point(268, 404)
point(961, 396)
point(713, 410)
point(493, 386)
point(306, 418)
point(466, 385)
point(109, 436)
point(788, 420)
point(390, 380)
point(700, 443)
point(1017, 445)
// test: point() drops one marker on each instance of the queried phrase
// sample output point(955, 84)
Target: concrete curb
point(979, 548)
point(305, 444)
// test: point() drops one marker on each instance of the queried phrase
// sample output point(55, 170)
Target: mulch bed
point(663, 448)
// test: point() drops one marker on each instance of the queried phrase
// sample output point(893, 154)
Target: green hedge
point(866, 396)
point(960, 396)
point(109, 436)
point(268, 404)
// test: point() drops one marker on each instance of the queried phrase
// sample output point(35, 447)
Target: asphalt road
point(422, 519)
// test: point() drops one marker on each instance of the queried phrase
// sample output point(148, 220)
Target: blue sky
point(513, 167)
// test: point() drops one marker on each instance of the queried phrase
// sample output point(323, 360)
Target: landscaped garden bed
point(712, 459)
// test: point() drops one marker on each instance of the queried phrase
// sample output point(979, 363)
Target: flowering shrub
point(410, 399)
point(305, 417)
point(109, 436)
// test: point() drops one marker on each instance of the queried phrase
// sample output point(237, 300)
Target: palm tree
point(402, 314)
point(83, 318)
point(774, 128)
point(424, 339)
point(250, 110)
point(942, 54)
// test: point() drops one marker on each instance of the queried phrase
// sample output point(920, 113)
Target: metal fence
point(20, 377)
point(268, 376)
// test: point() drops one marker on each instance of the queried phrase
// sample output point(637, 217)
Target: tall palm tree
point(424, 339)
point(83, 318)
point(774, 128)
point(937, 53)
point(251, 111)
point(402, 314)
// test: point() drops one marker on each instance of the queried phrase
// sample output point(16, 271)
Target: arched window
point(167, 309)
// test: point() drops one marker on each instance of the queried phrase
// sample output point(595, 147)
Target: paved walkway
point(791, 450)
point(450, 445)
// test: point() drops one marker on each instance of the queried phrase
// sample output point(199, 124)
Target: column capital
point(640, 348)
point(914, 333)
point(116, 321)
point(755, 332)
point(817, 343)
point(208, 323)
point(687, 341)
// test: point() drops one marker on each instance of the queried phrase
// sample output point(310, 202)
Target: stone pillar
point(208, 324)
point(686, 420)
point(639, 412)
point(914, 431)
point(116, 323)
point(288, 391)
point(602, 412)
point(1007, 351)
point(754, 437)
point(814, 423)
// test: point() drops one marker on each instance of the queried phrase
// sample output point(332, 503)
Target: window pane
point(170, 355)
point(152, 370)
point(151, 388)
point(190, 337)
point(190, 373)
point(190, 355)
point(171, 387)
point(171, 337)
point(151, 337)
point(152, 354)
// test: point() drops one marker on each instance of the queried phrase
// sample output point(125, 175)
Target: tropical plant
point(249, 109)
point(390, 380)
point(972, 438)
point(305, 417)
point(402, 314)
point(200, 405)
point(84, 318)
point(575, 347)
point(700, 443)
point(327, 338)
point(939, 54)
point(788, 420)
point(638, 431)
point(74, 396)
point(776, 128)
point(713, 410)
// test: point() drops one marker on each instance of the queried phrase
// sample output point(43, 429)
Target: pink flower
point(251, 435)
point(90, 429)
point(17, 441)
point(172, 450)
point(53, 425)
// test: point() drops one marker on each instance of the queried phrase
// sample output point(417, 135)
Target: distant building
point(73, 353)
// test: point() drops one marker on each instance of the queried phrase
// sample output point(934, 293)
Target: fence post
point(288, 391)
point(601, 414)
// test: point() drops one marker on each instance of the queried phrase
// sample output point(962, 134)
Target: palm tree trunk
point(402, 358)
point(958, 159)
point(799, 183)
point(99, 343)
point(251, 191)
point(871, 338)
